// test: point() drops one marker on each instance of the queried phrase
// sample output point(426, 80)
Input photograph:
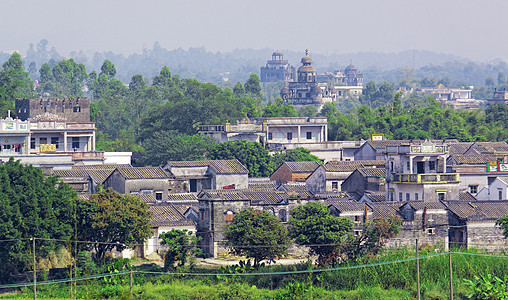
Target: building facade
point(277, 69)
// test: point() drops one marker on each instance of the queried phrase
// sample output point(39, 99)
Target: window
point(407, 166)
point(309, 135)
point(416, 196)
point(335, 185)
point(290, 136)
point(391, 166)
point(202, 216)
point(76, 109)
point(357, 219)
point(158, 196)
point(32, 143)
point(283, 215)
point(270, 136)
point(229, 216)
point(432, 165)
point(500, 195)
point(431, 231)
point(440, 196)
point(43, 141)
point(391, 195)
point(75, 143)
point(54, 141)
point(358, 232)
point(400, 197)
point(407, 196)
point(473, 189)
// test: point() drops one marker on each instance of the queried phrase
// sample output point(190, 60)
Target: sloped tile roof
point(341, 176)
point(302, 166)
point(349, 166)
point(101, 167)
point(385, 209)
point(182, 197)
point(97, 175)
point(375, 196)
point(256, 196)
point(466, 196)
point(184, 207)
point(503, 179)
point(372, 172)
point(230, 166)
point(489, 147)
point(340, 196)
point(459, 148)
point(421, 205)
point(475, 159)
point(144, 173)
point(147, 198)
point(168, 215)
point(387, 143)
point(343, 206)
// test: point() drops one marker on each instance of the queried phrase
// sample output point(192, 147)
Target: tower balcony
point(426, 178)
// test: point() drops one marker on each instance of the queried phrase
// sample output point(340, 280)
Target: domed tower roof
point(307, 64)
point(277, 53)
point(351, 67)
point(284, 90)
point(306, 60)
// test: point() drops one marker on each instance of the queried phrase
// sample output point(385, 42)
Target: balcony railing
point(426, 178)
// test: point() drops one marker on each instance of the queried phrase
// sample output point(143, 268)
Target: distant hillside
point(238, 64)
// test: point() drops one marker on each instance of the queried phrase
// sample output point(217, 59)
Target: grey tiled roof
point(168, 215)
point(97, 175)
point(385, 209)
point(183, 207)
point(475, 159)
point(372, 172)
point(478, 210)
point(301, 166)
point(421, 205)
point(230, 166)
point(349, 166)
point(503, 179)
point(144, 173)
point(343, 206)
point(255, 196)
point(101, 167)
point(147, 198)
point(459, 148)
point(375, 196)
point(466, 196)
point(182, 197)
point(489, 147)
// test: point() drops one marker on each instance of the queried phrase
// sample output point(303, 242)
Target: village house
point(141, 180)
point(365, 179)
point(496, 190)
point(209, 174)
point(294, 171)
point(329, 177)
point(417, 171)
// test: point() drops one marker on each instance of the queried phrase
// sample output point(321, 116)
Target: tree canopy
point(112, 221)
point(312, 225)
point(257, 234)
point(31, 206)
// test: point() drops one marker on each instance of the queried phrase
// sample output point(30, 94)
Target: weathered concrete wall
point(316, 182)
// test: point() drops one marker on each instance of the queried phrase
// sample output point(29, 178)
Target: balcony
point(426, 178)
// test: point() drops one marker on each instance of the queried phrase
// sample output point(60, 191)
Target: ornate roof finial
point(306, 52)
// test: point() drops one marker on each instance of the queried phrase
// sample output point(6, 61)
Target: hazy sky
point(472, 29)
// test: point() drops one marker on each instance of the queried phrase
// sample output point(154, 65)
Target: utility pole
point(35, 270)
point(417, 272)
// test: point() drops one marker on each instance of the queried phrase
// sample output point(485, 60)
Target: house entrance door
point(420, 167)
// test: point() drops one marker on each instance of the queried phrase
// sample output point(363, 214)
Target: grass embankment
point(395, 280)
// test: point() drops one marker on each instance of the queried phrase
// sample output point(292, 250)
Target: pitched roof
point(349, 166)
point(97, 175)
point(375, 196)
point(421, 205)
point(478, 210)
point(475, 159)
point(385, 209)
point(144, 173)
point(489, 147)
point(466, 196)
point(343, 206)
point(255, 196)
point(230, 166)
point(387, 143)
point(184, 207)
point(168, 215)
point(147, 198)
point(301, 166)
point(372, 172)
point(173, 197)
point(459, 148)
point(503, 179)
point(101, 167)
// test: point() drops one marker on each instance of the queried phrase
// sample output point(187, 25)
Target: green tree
point(239, 90)
point(503, 223)
point(312, 225)
point(252, 155)
point(297, 154)
point(182, 246)
point(14, 83)
point(166, 146)
point(373, 236)
point(111, 220)
point(253, 86)
point(31, 205)
point(257, 234)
